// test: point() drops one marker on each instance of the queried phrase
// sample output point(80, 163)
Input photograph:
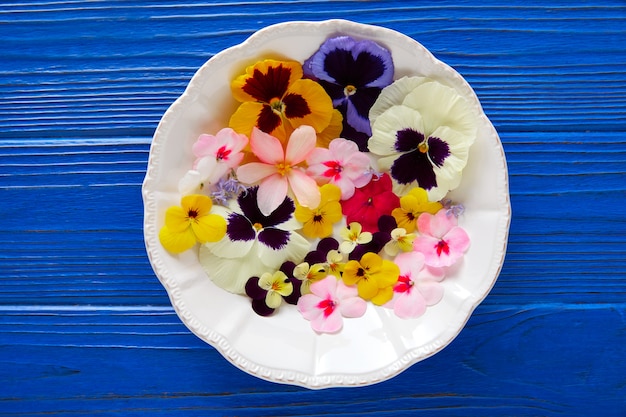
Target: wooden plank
point(96, 82)
point(549, 360)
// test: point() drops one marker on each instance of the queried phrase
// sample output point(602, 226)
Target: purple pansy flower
point(353, 73)
point(253, 242)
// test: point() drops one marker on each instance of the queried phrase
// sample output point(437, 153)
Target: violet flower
point(353, 73)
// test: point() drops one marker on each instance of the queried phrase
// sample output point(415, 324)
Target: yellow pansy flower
point(191, 222)
point(318, 222)
point(373, 276)
point(411, 206)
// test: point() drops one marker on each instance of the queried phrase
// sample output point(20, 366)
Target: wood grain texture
point(86, 328)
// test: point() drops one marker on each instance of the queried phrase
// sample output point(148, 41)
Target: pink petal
point(352, 307)
point(254, 171)
point(205, 145)
point(410, 263)
point(409, 305)
point(346, 186)
point(326, 288)
point(301, 143)
point(436, 225)
point(457, 240)
point(266, 147)
point(318, 156)
point(329, 324)
point(233, 140)
point(343, 149)
point(304, 188)
point(307, 306)
point(431, 291)
point(272, 192)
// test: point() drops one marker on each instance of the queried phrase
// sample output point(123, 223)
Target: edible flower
point(191, 222)
point(411, 206)
point(341, 164)
point(329, 301)
point(352, 236)
point(253, 242)
point(422, 130)
point(268, 291)
point(373, 276)
point(370, 202)
point(353, 73)
point(309, 274)
point(216, 155)
point(318, 221)
point(276, 100)
point(440, 240)
point(418, 286)
point(278, 171)
point(400, 241)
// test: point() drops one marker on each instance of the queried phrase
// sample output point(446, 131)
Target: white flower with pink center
point(341, 164)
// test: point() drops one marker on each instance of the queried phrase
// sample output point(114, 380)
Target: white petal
point(394, 94)
point(230, 274)
point(227, 248)
point(295, 250)
point(385, 128)
point(190, 182)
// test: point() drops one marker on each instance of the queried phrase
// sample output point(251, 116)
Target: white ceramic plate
point(283, 348)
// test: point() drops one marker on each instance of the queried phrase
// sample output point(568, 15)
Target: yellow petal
point(367, 288)
point(388, 274)
point(177, 242)
point(372, 262)
point(383, 295)
point(330, 192)
point(333, 131)
point(245, 117)
point(209, 228)
point(176, 219)
point(200, 203)
point(350, 276)
point(318, 101)
point(303, 214)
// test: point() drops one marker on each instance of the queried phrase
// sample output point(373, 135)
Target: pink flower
point(441, 241)
point(418, 286)
point(341, 164)
point(330, 300)
point(370, 202)
point(215, 157)
point(278, 170)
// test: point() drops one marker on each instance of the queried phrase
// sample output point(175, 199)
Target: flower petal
point(301, 144)
point(230, 274)
point(272, 193)
point(409, 305)
point(177, 242)
point(266, 147)
point(304, 188)
point(394, 95)
point(307, 306)
point(295, 250)
point(352, 307)
point(210, 228)
point(253, 172)
point(328, 324)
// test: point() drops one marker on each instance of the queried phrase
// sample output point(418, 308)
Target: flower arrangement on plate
point(324, 188)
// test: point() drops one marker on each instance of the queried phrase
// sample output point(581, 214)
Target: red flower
point(370, 202)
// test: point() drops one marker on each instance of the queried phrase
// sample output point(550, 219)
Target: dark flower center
point(318, 218)
point(360, 272)
point(222, 153)
point(192, 213)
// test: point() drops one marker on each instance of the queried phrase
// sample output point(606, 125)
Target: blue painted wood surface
point(86, 328)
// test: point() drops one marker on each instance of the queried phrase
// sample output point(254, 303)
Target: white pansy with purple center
point(254, 243)
point(422, 131)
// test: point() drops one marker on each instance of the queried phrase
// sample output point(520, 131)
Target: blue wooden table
point(87, 329)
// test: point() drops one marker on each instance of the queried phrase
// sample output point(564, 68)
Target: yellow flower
point(191, 223)
point(277, 100)
point(335, 263)
point(353, 236)
point(277, 286)
point(411, 206)
point(400, 241)
point(373, 276)
point(318, 222)
point(309, 274)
